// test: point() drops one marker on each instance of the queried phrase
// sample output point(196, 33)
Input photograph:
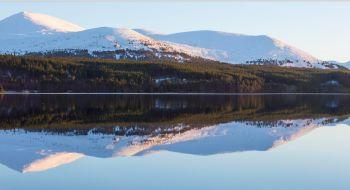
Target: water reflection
point(39, 132)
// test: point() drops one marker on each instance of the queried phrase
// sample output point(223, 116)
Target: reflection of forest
point(83, 112)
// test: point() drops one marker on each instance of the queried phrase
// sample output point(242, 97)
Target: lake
point(260, 141)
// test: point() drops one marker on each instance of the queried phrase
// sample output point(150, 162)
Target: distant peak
point(35, 23)
point(21, 13)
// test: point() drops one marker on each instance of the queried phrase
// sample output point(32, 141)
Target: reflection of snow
point(51, 161)
point(332, 82)
point(332, 104)
point(160, 80)
point(37, 151)
point(160, 104)
point(294, 136)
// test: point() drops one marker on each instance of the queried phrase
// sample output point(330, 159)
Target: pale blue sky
point(320, 28)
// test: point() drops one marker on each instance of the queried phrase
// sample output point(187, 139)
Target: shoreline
point(163, 93)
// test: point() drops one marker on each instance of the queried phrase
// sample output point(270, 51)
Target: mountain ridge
point(26, 32)
point(227, 42)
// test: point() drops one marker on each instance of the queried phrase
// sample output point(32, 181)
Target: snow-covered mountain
point(235, 48)
point(96, 39)
point(25, 32)
point(25, 23)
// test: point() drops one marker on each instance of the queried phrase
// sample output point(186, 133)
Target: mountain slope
point(347, 64)
point(342, 64)
point(98, 40)
point(236, 48)
point(25, 23)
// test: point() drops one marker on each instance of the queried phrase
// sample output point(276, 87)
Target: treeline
point(128, 54)
point(68, 74)
point(275, 62)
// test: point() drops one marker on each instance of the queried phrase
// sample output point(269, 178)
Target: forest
point(74, 74)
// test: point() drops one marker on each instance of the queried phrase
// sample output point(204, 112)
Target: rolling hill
point(32, 33)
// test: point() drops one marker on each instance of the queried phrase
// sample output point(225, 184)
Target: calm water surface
point(174, 142)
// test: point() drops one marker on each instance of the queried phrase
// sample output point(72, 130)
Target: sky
point(319, 28)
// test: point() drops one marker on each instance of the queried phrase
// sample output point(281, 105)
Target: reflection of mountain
point(40, 132)
point(37, 151)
